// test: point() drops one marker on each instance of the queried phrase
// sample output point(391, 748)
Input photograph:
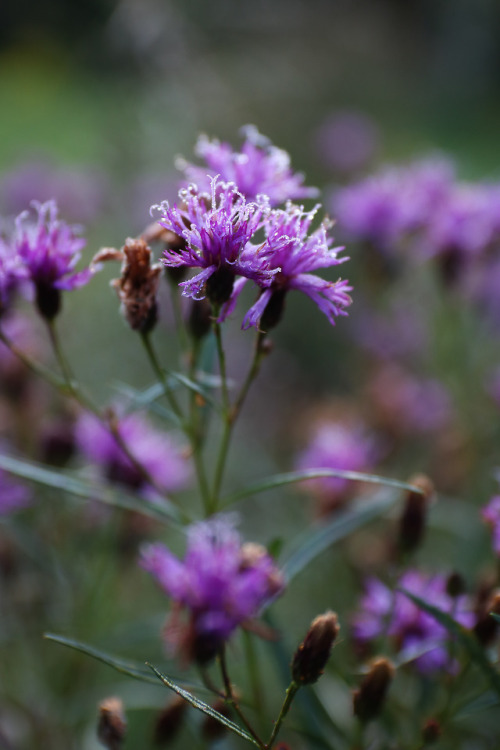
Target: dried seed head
point(170, 721)
point(413, 519)
point(313, 653)
point(137, 286)
point(112, 724)
point(369, 698)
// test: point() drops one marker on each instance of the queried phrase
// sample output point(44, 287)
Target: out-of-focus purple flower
point(221, 582)
point(49, 250)
point(405, 404)
point(259, 168)
point(337, 445)
point(157, 452)
point(79, 193)
point(491, 515)
point(398, 332)
point(416, 635)
point(346, 141)
point(217, 229)
point(293, 254)
point(389, 207)
point(12, 274)
point(13, 495)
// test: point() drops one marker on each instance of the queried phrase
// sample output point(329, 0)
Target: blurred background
point(98, 98)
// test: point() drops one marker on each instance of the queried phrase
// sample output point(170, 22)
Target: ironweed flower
point(13, 495)
point(417, 635)
point(293, 253)
point(217, 229)
point(49, 249)
point(221, 582)
point(259, 168)
point(156, 451)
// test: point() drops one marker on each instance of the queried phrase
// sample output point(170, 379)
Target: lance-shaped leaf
point(62, 480)
point(316, 540)
point(293, 477)
point(495, 617)
point(147, 399)
point(482, 702)
point(463, 636)
point(204, 707)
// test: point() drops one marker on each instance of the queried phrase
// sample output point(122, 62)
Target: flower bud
point(413, 519)
point(170, 721)
point(455, 585)
point(112, 723)
point(273, 311)
point(369, 698)
point(431, 731)
point(199, 321)
point(313, 653)
point(486, 627)
point(220, 286)
point(48, 300)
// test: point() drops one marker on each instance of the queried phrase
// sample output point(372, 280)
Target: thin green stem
point(161, 374)
point(222, 365)
point(253, 672)
point(289, 696)
point(179, 321)
point(196, 434)
point(231, 700)
point(37, 368)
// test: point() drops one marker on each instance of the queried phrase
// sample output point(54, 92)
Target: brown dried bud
point(486, 627)
point(313, 653)
point(369, 698)
point(112, 723)
point(431, 731)
point(170, 721)
point(455, 585)
point(211, 729)
point(137, 286)
point(413, 519)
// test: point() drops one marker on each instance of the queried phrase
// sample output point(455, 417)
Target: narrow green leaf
point(280, 480)
point(482, 702)
point(130, 668)
point(204, 707)
point(316, 540)
point(62, 480)
point(192, 386)
point(147, 399)
point(495, 616)
point(463, 636)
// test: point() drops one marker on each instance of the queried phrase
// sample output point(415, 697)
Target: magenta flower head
point(491, 515)
point(337, 445)
point(259, 168)
point(49, 249)
point(217, 229)
point(416, 635)
point(293, 253)
point(157, 452)
point(221, 582)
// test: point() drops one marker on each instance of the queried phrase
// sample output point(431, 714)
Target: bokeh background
point(97, 100)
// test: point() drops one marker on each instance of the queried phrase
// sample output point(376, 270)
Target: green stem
point(231, 700)
point(179, 321)
point(196, 434)
point(37, 368)
point(289, 696)
point(161, 375)
point(253, 672)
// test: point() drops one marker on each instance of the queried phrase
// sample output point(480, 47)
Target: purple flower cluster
point(221, 224)
point(44, 251)
point(156, 451)
point(221, 582)
point(258, 169)
point(337, 445)
point(491, 515)
point(13, 495)
point(416, 635)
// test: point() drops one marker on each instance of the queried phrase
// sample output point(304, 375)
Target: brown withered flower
point(137, 287)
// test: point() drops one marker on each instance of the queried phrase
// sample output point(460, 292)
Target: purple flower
point(12, 274)
point(13, 495)
point(293, 254)
point(217, 230)
point(156, 451)
point(49, 249)
point(337, 446)
point(259, 168)
point(491, 514)
point(221, 582)
point(417, 635)
point(347, 140)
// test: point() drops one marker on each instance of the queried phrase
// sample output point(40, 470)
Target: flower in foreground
point(259, 168)
point(491, 515)
point(293, 254)
point(217, 229)
point(49, 250)
point(416, 634)
point(221, 582)
point(157, 452)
